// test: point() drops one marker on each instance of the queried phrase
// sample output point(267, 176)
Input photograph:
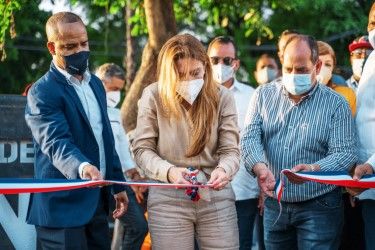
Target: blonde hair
point(204, 109)
point(326, 49)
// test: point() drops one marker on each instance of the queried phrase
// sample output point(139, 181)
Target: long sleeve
point(121, 141)
point(251, 143)
point(228, 138)
point(342, 143)
point(145, 140)
point(50, 130)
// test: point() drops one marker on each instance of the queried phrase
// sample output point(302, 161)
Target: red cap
point(360, 42)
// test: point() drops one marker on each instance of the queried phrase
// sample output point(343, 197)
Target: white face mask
point(189, 90)
point(357, 66)
point(325, 75)
point(371, 37)
point(222, 73)
point(297, 84)
point(113, 98)
point(266, 75)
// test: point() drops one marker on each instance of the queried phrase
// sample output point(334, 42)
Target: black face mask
point(76, 64)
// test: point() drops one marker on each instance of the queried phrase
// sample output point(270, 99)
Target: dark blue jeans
point(246, 213)
point(313, 224)
point(368, 214)
point(135, 225)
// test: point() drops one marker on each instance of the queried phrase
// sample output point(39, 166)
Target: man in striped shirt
point(298, 124)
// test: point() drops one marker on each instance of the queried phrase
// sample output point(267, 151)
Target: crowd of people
point(198, 120)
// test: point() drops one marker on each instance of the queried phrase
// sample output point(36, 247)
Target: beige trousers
point(174, 220)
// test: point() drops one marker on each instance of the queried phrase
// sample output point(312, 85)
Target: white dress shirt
point(244, 185)
point(92, 110)
point(121, 141)
point(365, 118)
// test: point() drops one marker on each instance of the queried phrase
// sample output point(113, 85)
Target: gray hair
point(109, 70)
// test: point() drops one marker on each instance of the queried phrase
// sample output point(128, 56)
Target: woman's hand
point(176, 175)
point(219, 178)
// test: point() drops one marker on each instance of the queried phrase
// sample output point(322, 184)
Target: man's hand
point(219, 179)
point(266, 180)
point(359, 172)
point(121, 204)
point(90, 172)
point(134, 175)
point(302, 168)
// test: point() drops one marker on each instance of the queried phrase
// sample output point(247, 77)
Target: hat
point(360, 42)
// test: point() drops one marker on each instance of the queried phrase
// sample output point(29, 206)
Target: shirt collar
point(310, 93)
point(71, 79)
point(235, 86)
point(353, 81)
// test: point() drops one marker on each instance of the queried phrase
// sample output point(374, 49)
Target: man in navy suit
point(67, 114)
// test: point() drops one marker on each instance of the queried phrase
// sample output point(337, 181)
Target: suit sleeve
point(45, 117)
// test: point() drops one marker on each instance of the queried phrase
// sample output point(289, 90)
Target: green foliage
point(27, 55)
point(7, 8)
point(254, 25)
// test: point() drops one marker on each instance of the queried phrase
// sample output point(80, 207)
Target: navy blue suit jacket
point(63, 139)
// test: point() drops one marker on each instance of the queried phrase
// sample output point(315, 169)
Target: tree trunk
point(129, 59)
point(161, 25)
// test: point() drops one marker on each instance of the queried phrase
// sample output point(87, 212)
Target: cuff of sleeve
point(80, 169)
point(226, 168)
point(162, 174)
point(128, 167)
point(327, 165)
point(371, 161)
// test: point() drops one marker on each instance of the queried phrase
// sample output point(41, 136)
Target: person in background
point(26, 89)
point(353, 225)
point(224, 62)
point(365, 121)
point(134, 221)
point(283, 38)
point(266, 69)
point(328, 58)
point(359, 51)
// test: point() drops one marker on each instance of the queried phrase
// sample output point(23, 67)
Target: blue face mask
point(76, 64)
point(297, 84)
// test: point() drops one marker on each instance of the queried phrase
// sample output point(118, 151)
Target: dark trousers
point(92, 236)
point(135, 225)
point(368, 213)
point(246, 213)
point(313, 224)
point(353, 232)
point(260, 230)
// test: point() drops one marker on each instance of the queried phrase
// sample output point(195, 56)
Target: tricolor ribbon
point(337, 178)
point(191, 176)
point(23, 185)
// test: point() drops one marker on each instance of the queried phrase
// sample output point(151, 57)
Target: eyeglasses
point(361, 53)
point(226, 60)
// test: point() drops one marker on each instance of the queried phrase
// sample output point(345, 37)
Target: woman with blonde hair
point(328, 57)
point(187, 120)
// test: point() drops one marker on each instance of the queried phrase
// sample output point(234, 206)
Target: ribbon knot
point(191, 176)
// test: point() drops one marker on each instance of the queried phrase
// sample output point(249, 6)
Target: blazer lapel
point(71, 92)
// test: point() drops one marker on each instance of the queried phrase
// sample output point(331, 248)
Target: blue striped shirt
point(317, 130)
